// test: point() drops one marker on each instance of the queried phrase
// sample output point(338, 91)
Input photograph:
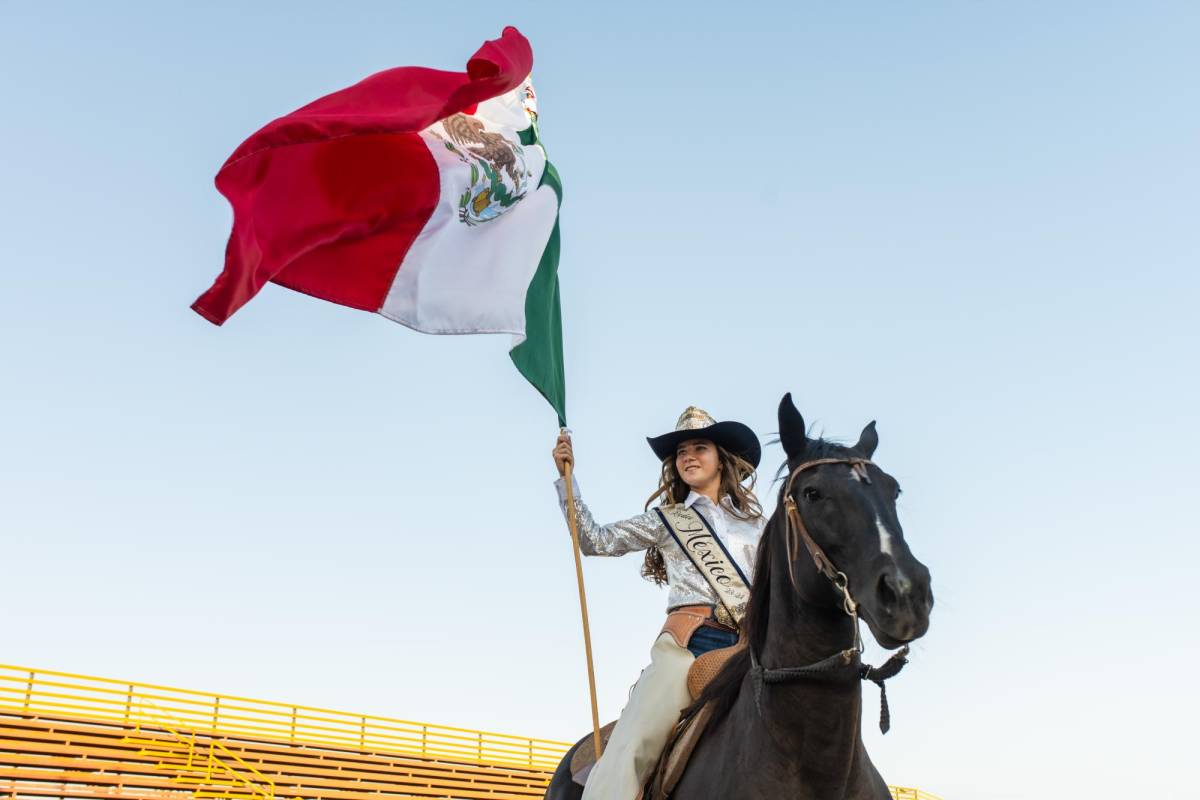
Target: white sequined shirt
point(687, 586)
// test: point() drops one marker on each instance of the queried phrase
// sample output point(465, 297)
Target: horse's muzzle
point(898, 610)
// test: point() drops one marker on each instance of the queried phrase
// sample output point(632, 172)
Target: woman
point(707, 467)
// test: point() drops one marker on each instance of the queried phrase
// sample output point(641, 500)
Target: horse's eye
point(811, 495)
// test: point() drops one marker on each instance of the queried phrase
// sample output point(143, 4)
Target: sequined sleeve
point(616, 538)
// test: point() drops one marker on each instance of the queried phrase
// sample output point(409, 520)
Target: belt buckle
point(722, 615)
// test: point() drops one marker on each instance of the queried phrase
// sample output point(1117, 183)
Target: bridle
point(848, 662)
point(795, 526)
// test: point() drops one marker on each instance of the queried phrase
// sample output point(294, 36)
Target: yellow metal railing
point(214, 771)
point(905, 793)
point(183, 713)
point(46, 693)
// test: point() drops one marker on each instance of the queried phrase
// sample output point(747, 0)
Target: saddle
point(585, 755)
point(706, 667)
point(687, 734)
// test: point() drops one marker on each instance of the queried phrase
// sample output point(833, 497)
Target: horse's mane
point(722, 691)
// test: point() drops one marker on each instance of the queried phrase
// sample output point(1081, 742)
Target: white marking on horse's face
point(885, 537)
point(854, 475)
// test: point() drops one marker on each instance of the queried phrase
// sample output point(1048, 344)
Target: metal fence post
point(28, 690)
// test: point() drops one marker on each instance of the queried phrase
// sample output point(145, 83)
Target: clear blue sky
point(973, 222)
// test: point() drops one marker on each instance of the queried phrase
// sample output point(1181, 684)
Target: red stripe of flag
point(328, 199)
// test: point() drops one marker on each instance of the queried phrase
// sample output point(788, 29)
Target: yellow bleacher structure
point(73, 736)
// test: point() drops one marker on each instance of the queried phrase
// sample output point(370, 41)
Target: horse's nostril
point(887, 592)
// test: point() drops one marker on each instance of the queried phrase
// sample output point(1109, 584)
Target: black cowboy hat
point(695, 423)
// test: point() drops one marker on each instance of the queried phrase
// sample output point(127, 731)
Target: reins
point(848, 662)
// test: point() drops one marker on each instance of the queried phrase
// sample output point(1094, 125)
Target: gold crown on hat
point(693, 419)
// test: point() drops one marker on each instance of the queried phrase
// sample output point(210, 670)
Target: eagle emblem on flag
point(499, 174)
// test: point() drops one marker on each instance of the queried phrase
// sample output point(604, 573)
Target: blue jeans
point(706, 638)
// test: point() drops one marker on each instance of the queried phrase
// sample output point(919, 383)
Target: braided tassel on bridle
point(877, 676)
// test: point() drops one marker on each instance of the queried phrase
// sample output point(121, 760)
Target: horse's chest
point(740, 760)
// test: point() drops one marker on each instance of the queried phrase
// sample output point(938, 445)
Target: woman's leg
point(645, 724)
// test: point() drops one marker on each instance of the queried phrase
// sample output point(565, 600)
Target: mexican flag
point(422, 195)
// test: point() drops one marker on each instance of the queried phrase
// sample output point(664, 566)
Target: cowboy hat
point(695, 423)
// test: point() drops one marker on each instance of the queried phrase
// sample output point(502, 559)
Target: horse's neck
point(800, 632)
point(818, 720)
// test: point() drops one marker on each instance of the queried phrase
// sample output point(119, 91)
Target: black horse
point(787, 709)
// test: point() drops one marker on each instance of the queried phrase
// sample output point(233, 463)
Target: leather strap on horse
point(826, 669)
point(840, 666)
point(796, 522)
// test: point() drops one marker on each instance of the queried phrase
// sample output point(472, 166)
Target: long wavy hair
point(737, 483)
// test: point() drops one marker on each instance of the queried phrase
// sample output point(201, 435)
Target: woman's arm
point(615, 539)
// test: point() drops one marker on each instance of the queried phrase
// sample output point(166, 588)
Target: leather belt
point(716, 617)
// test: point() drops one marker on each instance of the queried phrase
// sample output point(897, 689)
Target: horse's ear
point(791, 428)
point(868, 440)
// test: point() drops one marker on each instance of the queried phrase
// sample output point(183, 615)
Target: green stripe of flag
point(540, 357)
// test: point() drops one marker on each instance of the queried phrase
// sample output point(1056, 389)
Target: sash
point(696, 538)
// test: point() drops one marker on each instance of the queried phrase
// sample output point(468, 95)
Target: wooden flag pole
point(587, 632)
